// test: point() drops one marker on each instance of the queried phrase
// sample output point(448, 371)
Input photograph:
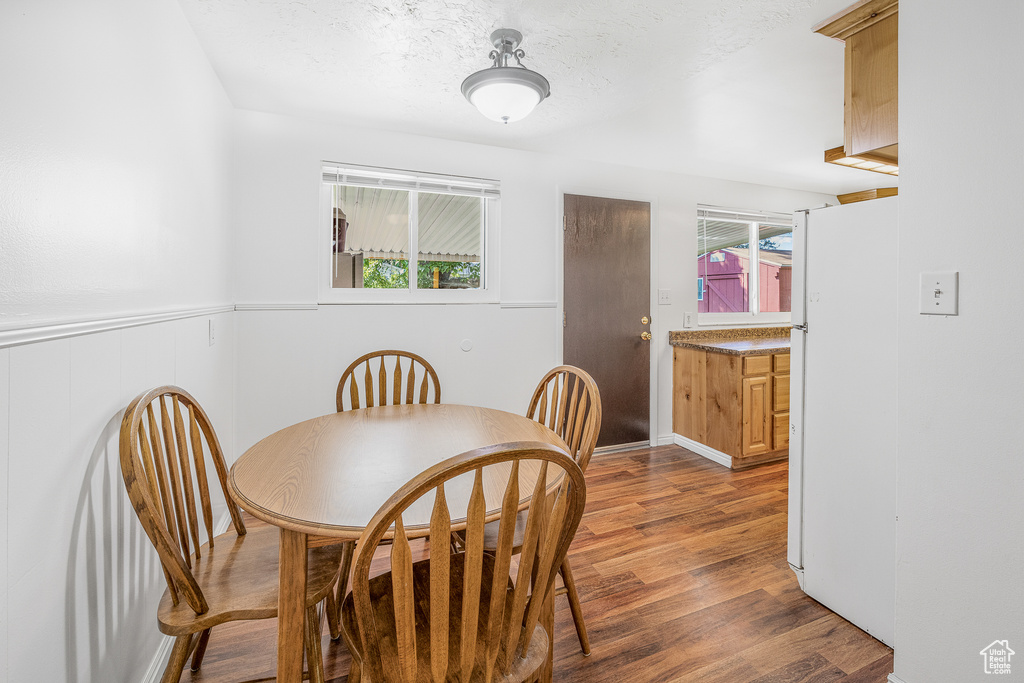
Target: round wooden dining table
point(322, 480)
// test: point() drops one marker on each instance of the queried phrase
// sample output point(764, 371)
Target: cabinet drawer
point(780, 394)
point(781, 362)
point(757, 365)
point(780, 431)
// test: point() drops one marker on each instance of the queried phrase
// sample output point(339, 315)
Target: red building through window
point(725, 275)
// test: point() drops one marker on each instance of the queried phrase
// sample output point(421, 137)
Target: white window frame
point(414, 182)
point(754, 220)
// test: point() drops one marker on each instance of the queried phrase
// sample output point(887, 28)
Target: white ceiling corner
point(737, 89)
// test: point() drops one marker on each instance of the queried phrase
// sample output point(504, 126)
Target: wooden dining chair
point(412, 380)
point(165, 438)
point(568, 402)
point(462, 616)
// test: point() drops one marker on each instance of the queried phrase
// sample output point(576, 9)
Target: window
point(729, 288)
point(403, 237)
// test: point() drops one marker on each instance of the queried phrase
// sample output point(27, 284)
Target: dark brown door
point(607, 294)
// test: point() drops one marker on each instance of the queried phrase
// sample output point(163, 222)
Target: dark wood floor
point(681, 568)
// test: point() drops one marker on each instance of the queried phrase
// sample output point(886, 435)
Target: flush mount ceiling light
point(504, 92)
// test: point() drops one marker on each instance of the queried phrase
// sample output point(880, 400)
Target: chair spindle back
point(568, 402)
point(163, 463)
point(385, 378)
point(482, 641)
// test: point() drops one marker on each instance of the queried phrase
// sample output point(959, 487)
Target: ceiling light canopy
point(504, 92)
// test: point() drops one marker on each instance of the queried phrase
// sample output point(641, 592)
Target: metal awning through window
point(375, 206)
point(724, 228)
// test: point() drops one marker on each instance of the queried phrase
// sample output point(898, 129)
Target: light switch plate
point(664, 297)
point(939, 293)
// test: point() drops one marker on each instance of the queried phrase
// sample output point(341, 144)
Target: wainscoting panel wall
point(5, 366)
point(81, 579)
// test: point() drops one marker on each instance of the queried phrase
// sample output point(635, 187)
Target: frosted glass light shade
point(505, 93)
point(505, 101)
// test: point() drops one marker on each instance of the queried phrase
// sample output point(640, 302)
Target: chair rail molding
point(18, 333)
point(285, 306)
point(529, 304)
point(276, 306)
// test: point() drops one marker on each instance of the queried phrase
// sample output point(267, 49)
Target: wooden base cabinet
point(737, 405)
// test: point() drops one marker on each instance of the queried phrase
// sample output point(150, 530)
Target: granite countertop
point(736, 341)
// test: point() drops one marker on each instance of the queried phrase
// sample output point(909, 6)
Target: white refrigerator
point(842, 506)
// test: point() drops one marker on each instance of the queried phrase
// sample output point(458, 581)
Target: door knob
point(644, 320)
point(646, 336)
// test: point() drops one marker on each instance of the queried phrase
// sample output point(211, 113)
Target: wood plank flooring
point(681, 568)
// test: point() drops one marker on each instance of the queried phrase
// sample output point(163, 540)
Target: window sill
point(407, 298)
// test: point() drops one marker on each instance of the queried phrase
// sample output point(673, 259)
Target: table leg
point(291, 606)
point(547, 620)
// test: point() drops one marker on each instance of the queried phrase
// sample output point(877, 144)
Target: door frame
point(798, 340)
point(658, 344)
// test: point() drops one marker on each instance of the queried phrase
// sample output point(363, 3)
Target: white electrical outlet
point(939, 293)
point(664, 297)
point(688, 319)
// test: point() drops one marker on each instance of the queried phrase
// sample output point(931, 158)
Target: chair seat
point(239, 579)
point(382, 630)
point(491, 533)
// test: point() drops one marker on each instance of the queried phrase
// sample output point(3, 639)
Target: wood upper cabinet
point(870, 30)
point(737, 405)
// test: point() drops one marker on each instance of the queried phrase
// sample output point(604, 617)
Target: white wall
point(113, 201)
point(112, 133)
point(960, 510)
point(290, 360)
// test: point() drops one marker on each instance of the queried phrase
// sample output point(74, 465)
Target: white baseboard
point(893, 678)
point(622, 447)
point(156, 667)
point(702, 450)
point(668, 440)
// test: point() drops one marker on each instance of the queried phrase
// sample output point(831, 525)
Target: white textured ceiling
point(737, 89)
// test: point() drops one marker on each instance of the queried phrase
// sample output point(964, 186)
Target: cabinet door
point(872, 90)
point(780, 394)
point(780, 431)
point(756, 416)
